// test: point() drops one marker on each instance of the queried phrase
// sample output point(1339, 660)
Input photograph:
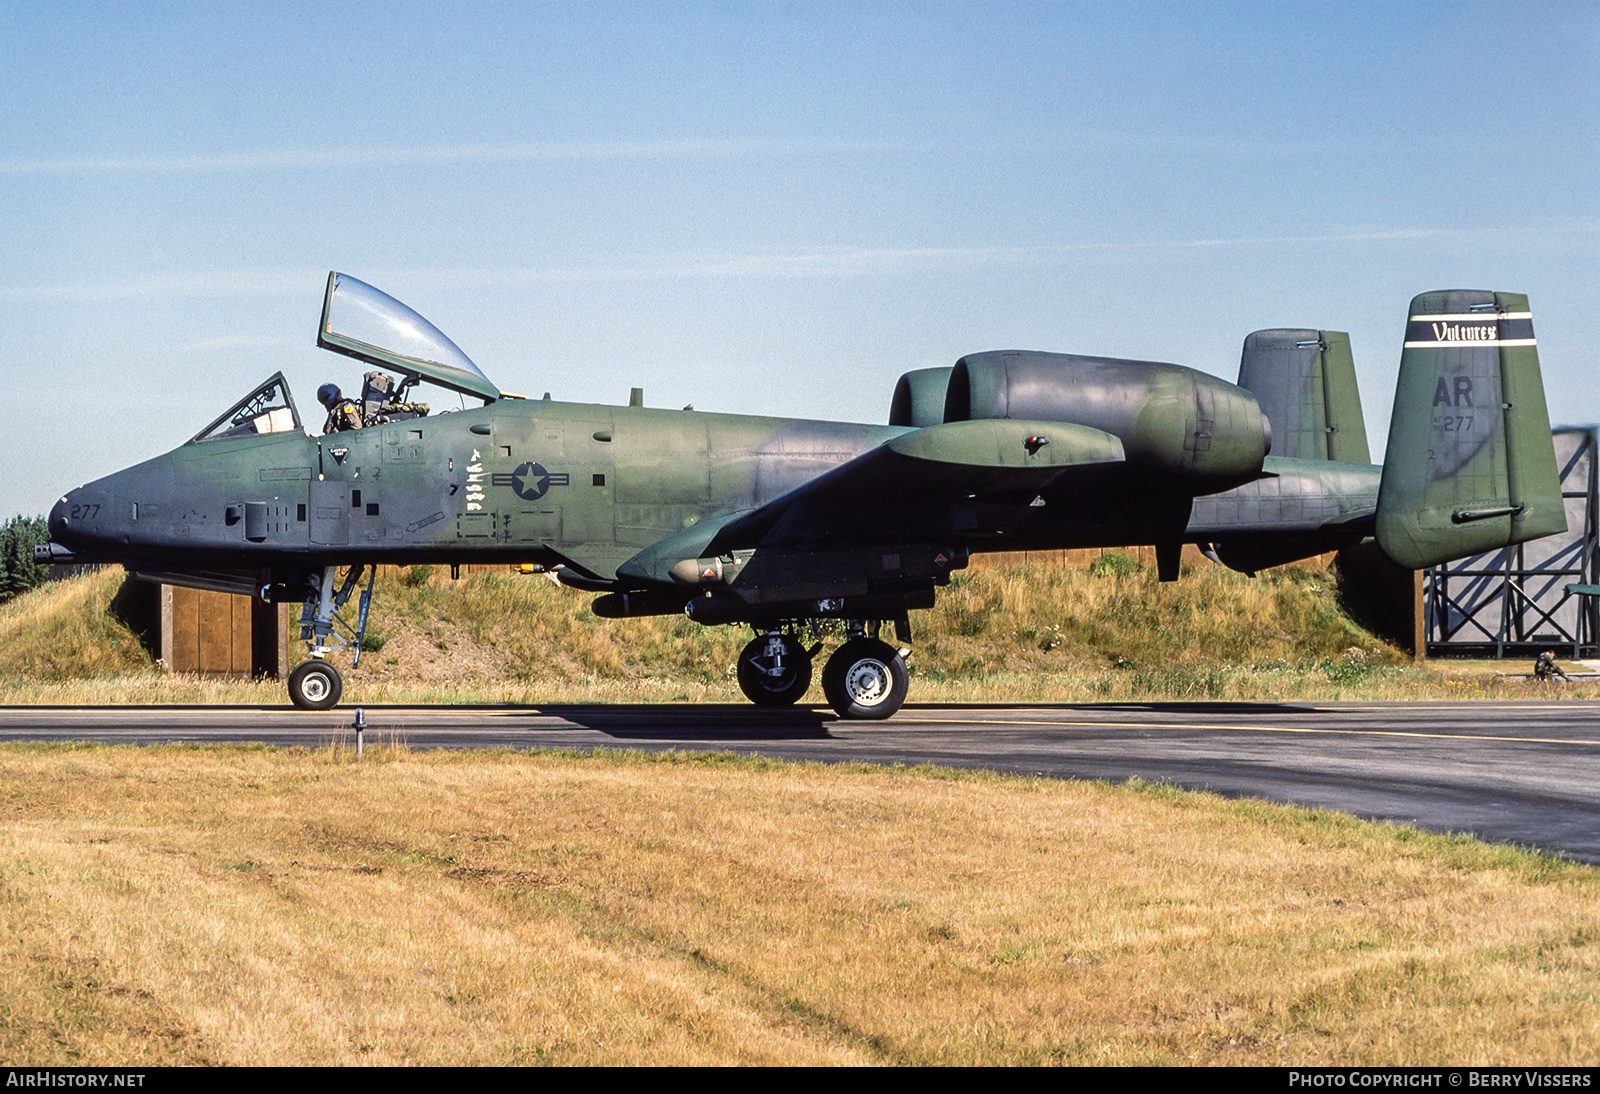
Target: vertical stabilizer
point(1305, 381)
point(1470, 465)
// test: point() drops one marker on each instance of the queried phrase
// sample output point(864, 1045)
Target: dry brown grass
point(253, 906)
point(64, 631)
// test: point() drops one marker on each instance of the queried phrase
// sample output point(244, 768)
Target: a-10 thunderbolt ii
point(801, 529)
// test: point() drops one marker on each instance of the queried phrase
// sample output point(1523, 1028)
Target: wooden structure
point(222, 634)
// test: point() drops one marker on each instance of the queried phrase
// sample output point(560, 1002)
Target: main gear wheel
point(865, 678)
point(774, 670)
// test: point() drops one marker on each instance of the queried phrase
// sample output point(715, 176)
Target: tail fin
point(1305, 381)
point(1470, 465)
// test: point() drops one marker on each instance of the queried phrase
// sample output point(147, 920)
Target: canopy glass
point(370, 325)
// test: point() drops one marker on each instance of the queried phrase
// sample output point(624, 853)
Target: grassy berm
point(1111, 632)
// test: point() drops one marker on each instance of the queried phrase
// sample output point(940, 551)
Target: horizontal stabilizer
point(1470, 466)
point(1305, 381)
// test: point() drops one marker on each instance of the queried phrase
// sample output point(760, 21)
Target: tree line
point(18, 571)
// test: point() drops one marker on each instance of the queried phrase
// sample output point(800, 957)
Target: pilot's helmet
point(328, 395)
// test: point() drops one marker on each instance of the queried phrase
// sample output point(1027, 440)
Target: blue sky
point(763, 208)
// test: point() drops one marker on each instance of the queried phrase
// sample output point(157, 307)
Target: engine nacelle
point(1170, 419)
point(919, 397)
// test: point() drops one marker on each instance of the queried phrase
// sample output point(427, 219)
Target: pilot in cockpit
point(342, 413)
point(380, 402)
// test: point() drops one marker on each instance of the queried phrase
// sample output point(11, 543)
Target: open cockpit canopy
point(267, 409)
point(369, 325)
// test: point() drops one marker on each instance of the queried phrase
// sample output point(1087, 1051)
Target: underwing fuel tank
point(1172, 420)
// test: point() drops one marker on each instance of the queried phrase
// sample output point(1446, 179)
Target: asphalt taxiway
point(1525, 772)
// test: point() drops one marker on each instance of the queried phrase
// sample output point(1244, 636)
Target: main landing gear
point(774, 670)
point(864, 678)
point(316, 684)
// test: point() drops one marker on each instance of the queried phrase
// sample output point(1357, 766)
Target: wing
point(918, 485)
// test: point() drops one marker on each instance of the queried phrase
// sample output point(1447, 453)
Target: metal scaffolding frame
point(1514, 602)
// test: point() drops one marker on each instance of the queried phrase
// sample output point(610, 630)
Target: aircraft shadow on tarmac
point(695, 721)
point(721, 721)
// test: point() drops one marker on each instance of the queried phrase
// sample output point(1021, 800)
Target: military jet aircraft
point(801, 529)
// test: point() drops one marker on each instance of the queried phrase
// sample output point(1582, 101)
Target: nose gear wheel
point(315, 685)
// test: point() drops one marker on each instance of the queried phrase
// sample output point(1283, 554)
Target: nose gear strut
point(316, 684)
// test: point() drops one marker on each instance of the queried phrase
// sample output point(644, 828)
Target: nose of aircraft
point(58, 518)
point(76, 517)
point(107, 519)
point(90, 521)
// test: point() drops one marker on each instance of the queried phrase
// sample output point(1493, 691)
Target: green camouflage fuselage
point(590, 487)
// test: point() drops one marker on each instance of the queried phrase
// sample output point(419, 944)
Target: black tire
point(315, 685)
point(774, 691)
point(865, 678)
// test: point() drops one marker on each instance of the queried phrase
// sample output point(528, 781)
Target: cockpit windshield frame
point(251, 411)
point(357, 319)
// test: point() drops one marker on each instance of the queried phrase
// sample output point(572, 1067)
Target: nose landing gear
point(316, 684)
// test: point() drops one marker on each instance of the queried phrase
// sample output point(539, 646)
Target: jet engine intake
point(919, 398)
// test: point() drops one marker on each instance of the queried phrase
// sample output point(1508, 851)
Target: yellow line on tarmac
point(1486, 705)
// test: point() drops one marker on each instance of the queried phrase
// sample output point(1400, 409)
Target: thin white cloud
point(321, 159)
point(315, 159)
point(821, 262)
point(841, 262)
point(247, 282)
point(818, 262)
